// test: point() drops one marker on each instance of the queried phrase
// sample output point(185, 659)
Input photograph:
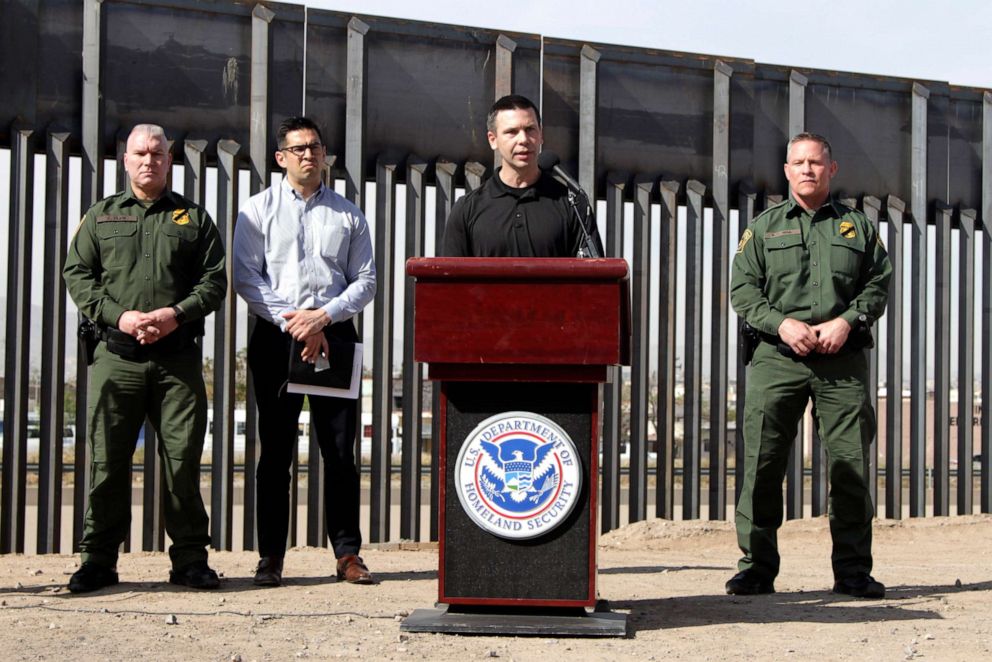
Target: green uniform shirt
point(812, 267)
point(129, 256)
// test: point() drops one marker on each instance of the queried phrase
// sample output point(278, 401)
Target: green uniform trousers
point(169, 390)
point(778, 389)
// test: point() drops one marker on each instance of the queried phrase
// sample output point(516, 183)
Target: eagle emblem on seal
point(518, 472)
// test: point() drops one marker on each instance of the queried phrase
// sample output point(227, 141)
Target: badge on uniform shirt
point(746, 237)
point(180, 216)
point(847, 230)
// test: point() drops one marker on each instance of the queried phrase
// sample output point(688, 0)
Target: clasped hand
point(307, 326)
point(824, 338)
point(150, 327)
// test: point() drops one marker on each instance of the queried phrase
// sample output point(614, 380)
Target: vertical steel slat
point(918, 297)
point(613, 388)
point(667, 325)
point(895, 210)
point(259, 171)
point(588, 103)
point(53, 345)
point(942, 363)
point(719, 362)
point(294, 492)
point(986, 463)
point(444, 199)
point(966, 360)
point(413, 380)
point(797, 102)
point(640, 327)
point(693, 368)
point(355, 97)
point(122, 181)
point(91, 190)
point(818, 491)
point(258, 148)
point(382, 349)
point(92, 120)
point(474, 174)
point(503, 79)
point(316, 507)
point(17, 350)
point(872, 207)
point(153, 491)
point(194, 174)
point(225, 341)
point(745, 215)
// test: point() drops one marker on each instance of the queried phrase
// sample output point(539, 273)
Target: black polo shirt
point(496, 220)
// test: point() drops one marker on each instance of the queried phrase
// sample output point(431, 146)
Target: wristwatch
point(180, 314)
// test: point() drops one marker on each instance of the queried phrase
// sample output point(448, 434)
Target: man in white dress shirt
point(303, 262)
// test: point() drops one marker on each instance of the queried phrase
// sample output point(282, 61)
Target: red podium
point(518, 347)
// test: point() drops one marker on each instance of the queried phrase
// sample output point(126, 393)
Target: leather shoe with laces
point(92, 576)
point(352, 569)
point(269, 571)
point(195, 575)
point(861, 585)
point(747, 582)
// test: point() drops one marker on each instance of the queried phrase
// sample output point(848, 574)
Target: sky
point(921, 39)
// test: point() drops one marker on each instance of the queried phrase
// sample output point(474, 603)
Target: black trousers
point(334, 421)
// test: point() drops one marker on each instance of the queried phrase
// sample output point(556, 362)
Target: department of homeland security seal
point(518, 475)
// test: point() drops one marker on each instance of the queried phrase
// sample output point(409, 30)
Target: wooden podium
point(519, 346)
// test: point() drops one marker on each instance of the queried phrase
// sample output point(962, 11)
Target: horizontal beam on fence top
point(614, 53)
point(425, 30)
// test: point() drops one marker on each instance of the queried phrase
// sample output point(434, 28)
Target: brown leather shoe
point(269, 571)
point(352, 569)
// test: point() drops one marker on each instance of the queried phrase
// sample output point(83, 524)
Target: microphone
point(549, 162)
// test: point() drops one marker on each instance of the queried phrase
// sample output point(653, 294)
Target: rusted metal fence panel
point(681, 151)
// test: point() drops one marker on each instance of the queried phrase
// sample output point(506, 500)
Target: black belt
point(127, 346)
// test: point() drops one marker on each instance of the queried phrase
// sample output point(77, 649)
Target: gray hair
point(153, 131)
point(813, 137)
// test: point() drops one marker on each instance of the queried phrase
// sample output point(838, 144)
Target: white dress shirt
point(293, 254)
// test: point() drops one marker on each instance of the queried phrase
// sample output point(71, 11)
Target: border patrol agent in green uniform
point(146, 266)
point(810, 276)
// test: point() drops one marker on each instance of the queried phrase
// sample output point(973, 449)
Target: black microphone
point(549, 162)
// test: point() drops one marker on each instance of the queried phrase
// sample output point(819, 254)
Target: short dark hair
point(814, 137)
point(510, 102)
point(296, 124)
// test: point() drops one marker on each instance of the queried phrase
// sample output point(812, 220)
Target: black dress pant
point(334, 421)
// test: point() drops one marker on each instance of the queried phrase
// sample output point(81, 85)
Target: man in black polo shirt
point(519, 212)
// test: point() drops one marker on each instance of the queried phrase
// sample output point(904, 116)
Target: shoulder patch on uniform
point(180, 216)
point(115, 218)
point(746, 237)
point(782, 233)
point(847, 230)
point(878, 240)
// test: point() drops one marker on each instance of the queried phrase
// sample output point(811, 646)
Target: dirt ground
point(667, 576)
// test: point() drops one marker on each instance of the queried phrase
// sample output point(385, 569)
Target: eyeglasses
point(300, 150)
